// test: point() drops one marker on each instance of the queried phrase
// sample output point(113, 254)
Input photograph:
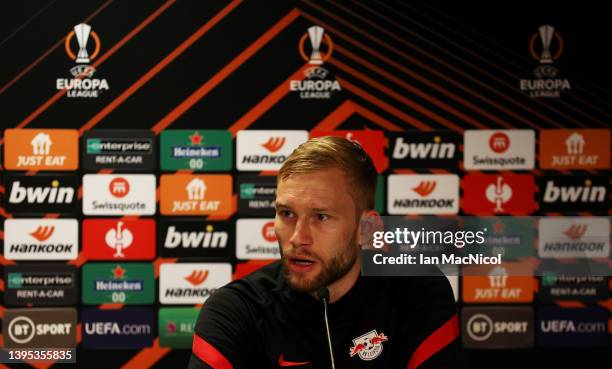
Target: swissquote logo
point(318, 83)
point(255, 239)
point(41, 149)
point(486, 194)
point(82, 51)
point(196, 238)
point(186, 194)
point(423, 194)
point(417, 149)
point(41, 239)
point(119, 194)
point(575, 149)
point(368, 346)
point(574, 237)
point(191, 283)
point(510, 149)
point(546, 46)
point(266, 150)
point(43, 193)
point(119, 239)
point(574, 193)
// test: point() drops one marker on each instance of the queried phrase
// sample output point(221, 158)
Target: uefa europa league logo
point(82, 32)
point(317, 37)
point(315, 33)
point(546, 35)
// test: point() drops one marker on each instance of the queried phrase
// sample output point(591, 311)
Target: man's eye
point(322, 217)
point(286, 213)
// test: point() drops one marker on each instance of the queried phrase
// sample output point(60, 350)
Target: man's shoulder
point(255, 288)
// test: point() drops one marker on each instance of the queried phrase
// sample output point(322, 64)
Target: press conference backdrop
point(195, 104)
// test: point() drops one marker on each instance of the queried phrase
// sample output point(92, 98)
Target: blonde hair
point(336, 152)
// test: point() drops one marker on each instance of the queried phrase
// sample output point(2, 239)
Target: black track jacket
point(382, 322)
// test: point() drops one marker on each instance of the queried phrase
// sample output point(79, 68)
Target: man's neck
point(340, 287)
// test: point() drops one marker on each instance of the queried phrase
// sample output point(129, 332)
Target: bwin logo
point(574, 194)
point(208, 239)
point(421, 150)
point(40, 195)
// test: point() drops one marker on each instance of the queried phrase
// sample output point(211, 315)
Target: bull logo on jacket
point(368, 346)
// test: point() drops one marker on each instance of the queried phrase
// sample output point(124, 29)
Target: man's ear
point(369, 222)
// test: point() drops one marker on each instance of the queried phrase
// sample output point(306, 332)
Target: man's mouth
point(301, 264)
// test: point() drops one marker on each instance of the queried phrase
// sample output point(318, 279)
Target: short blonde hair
point(336, 152)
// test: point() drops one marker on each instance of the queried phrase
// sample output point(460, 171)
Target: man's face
point(316, 227)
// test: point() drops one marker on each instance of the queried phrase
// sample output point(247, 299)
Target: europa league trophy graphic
point(315, 34)
point(546, 35)
point(82, 32)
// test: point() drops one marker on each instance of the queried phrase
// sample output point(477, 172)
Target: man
point(275, 317)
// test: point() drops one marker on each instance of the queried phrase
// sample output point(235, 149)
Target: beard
point(331, 271)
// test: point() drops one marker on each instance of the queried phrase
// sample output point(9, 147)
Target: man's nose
point(301, 234)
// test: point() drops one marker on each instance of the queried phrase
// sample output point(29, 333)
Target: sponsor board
point(256, 195)
point(187, 194)
point(123, 150)
point(555, 286)
point(491, 194)
point(509, 149)
point(41, 239)
point(119, 194)
point(574, 237)
point(196, 238)
point(39, 327)
point(373, 143)
point(562, 149)
point(510, 237)
point(198, 150)
point(266, 150)
point(127, 328)
point(121, 283)
point(41, 149)
point(191, 283)
point(505, 283)
point(574, 193)
point(40, 285)
point(423, 194)
point(176, 326)
point(572, 327)
point(497, 327)
point(255, 239)
point(41, 194)
point(422, 150)
point(119, 239)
